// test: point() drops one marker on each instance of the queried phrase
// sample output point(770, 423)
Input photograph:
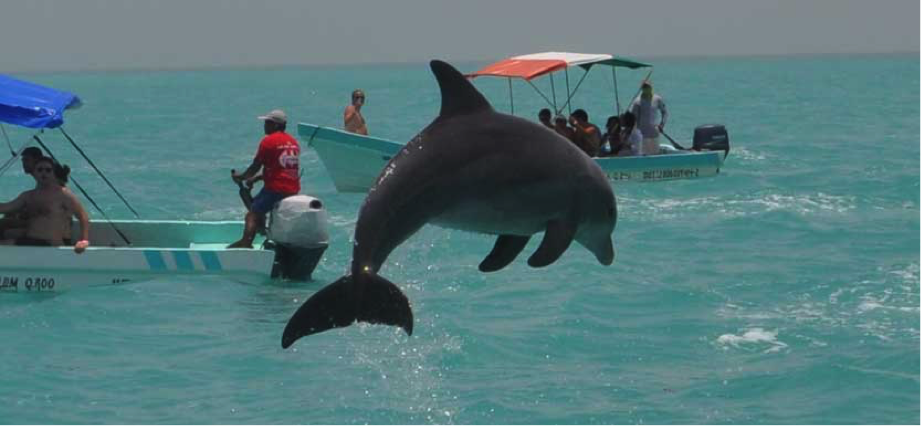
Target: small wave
point(754, 336)
point(221, 214)
point(749, 205)
point(745, 154)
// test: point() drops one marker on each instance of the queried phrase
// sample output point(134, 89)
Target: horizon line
point(121, 69)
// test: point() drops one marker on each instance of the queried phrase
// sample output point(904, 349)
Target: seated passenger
point(587, 135)
point(17, 220)
point(559, 124)
point(544, 117)
point(631, 135)
point(613, 145)
point(49, 208)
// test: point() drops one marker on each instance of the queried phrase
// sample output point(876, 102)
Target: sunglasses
point(43, 170)
point(358, 97)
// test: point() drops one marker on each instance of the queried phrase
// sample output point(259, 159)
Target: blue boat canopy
point(32, 105)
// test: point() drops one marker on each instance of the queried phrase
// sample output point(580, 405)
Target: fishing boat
point(135, 250)
point(354, 161)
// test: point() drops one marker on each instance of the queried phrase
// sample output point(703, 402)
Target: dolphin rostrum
point(471, 169)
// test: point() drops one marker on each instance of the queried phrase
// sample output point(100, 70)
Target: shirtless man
point(49, 208)
point(354, 121)
point(16, 220)
point(587, 136)
point(559, 124)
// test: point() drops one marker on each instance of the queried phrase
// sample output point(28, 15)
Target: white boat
point(133, 250)
point(158, 249)
point(354, 161)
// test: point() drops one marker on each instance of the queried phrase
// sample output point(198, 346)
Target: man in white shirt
point(646, 107)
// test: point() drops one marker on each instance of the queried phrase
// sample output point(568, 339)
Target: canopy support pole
point(616, 96)
point(576, 90)
point(14, 152)
point(541, 94)
point(99, 172)
point(5, 136)
point(511, 98)
point(553, 90)
point(12, 159)
point(83, 191)
point(568, 93)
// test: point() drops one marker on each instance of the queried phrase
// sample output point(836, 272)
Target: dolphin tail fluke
point(338, 305)
point(384, 303)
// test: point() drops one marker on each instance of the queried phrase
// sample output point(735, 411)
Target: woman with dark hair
point(612, 138)
point(61, 173)
point(631, 135)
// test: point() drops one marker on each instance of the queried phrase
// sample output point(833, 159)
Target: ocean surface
point(783, 290)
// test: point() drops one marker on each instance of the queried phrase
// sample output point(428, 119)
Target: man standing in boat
point(645, 108)
point(278, 157)
point(354, 121)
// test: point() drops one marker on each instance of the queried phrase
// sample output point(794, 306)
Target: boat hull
point(43, 269)
point(355, 161)
point(158, 249)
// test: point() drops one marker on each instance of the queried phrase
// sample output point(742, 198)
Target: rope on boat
point(83, 191)
point(99, 172)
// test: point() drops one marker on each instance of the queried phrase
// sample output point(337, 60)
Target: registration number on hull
point(661, 174)
point(29, 283)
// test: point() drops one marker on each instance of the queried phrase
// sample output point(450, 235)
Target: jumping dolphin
point(471, 169)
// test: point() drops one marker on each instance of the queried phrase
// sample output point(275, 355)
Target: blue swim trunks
point(266, 199)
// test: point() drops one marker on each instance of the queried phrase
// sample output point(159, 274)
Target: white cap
point(275, 115)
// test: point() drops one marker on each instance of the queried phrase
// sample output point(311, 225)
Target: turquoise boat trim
point(368, 142)
point(183, 261)
point(211, 261)
point(155, 260)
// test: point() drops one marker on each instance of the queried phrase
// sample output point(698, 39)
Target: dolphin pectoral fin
point(337, 305)
point(504, 252)
point(556, 240)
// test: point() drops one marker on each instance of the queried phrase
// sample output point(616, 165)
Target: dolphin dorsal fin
point(458, 96)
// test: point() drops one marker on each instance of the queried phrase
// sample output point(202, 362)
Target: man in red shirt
point(279, 158)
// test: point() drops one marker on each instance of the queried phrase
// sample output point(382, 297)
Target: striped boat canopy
point(535, 65)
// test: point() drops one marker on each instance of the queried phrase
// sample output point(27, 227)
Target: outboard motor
point(711, 137)
point(297, 227)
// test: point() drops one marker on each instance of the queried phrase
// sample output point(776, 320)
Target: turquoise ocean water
point(784, 290)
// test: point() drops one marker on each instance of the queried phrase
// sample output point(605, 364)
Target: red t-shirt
point(279, 154)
